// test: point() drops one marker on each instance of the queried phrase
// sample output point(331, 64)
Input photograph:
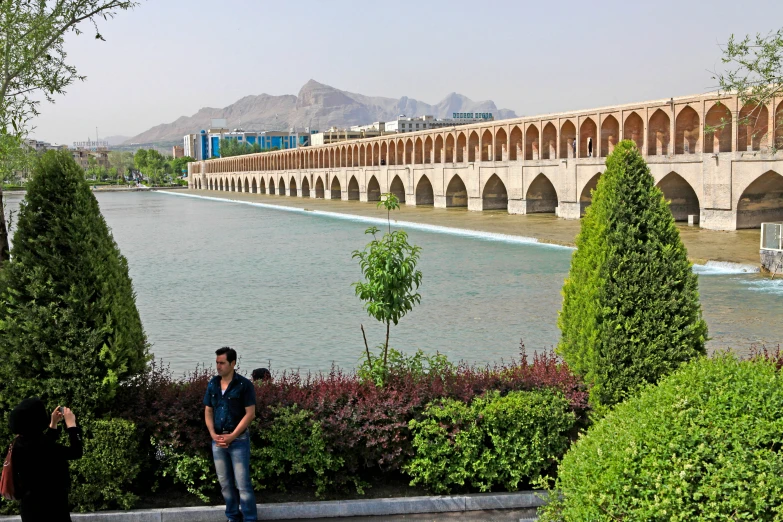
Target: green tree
point(140, 159)
point(33, 63)
point(69, 328)
point(753, 68)
point(631, 311)
point(391, 278)
point(122, 162)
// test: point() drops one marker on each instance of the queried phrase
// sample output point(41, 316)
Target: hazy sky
point(169, 58)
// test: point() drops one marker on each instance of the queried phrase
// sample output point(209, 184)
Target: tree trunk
point(386, 346)
point(5, 252)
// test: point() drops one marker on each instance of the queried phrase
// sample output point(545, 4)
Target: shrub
point(292, 449)
point(69, 328)
point(631, 311)
point(705, 444)
point(110, 463)
point(495, 441)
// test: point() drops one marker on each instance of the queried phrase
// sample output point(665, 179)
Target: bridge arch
point(679, 194)
point(501, 142)
point(494, 196)
point(687, 131)
point(779, 126)
point(549, 144)
point(462, 145)
point(305, 187)
point(376, 155)
point(292, 187)
point(254, 187)
point(586, 198)
point(425, 196)
point(456, 193)
point(281, 187)
point(401, 152)
point(392, 153)
point(761, 201)
point(335, 189)
point(408, 152)
point(752, 127)
point(363, 155)
point(438, 149)
point(319, 188)
point(449, 152)
point(718, 118)
point(233, 186)
point(541, 196)
point(588, 135)
point(486, 145)
point(373, 190)
point(353, 189)
point(516, 144)
point(428, 150)
point(262, 185)
point(473, 145)
point(531, 143)
point(247, 186)
point(272, 189)
point(418, 154)
point(658, 134)
point(610, 132)
point(567, 139)
point(633, 130)
point(398, 189)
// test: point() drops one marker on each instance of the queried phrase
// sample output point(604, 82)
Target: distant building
point(177, 151)
point(43, 146)
point(82, 157)
point(206, 144)
point(413, 124)
point(334, 134)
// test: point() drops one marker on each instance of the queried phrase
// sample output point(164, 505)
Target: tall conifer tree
point(631, 310)
point(70, 331)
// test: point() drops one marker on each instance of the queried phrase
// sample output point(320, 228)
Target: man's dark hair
point(261, 374)
point(230, 353)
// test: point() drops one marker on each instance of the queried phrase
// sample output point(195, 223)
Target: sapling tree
point(391, 278)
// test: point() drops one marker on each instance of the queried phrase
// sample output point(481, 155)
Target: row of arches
point(539, 141)
point(761, 200)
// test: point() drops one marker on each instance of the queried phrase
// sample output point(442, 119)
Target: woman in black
point(41, 476)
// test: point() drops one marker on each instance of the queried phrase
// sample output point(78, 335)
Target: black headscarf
point(29, 417)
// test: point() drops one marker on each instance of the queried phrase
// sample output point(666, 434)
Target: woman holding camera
point(40, 463)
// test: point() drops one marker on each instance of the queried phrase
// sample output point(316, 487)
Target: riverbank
point(741, 246)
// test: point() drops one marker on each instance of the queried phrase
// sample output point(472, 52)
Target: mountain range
point(317, 106)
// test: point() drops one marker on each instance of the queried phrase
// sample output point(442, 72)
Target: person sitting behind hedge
point(230, 407)
point(41, 478)
point(261, 374)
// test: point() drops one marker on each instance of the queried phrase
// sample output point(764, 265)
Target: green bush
point(631, 311)
point(110, 463)
point(494, 441)
point(69, 328)
point(196, 472)
point(705, 444)
point(417, 365)
point(292, 449)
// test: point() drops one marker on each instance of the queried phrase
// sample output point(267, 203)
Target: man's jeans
point(232, 465)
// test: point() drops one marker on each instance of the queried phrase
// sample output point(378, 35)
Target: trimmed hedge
point(494, 441)
point(336, 430)
point(705, 444)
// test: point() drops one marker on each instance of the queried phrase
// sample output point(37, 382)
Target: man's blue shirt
point(228, 408)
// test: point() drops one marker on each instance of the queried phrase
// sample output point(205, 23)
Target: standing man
point(230, 404)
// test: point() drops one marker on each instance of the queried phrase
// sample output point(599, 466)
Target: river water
point(276, 285)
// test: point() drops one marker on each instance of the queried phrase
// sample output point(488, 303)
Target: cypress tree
point(70, 331)
point(631, 311)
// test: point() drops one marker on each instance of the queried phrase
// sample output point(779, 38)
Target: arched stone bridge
point(730, 178)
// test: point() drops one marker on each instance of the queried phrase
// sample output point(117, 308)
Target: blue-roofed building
point(206, 144)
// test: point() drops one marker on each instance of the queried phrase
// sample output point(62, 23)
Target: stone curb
point(327, 509)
